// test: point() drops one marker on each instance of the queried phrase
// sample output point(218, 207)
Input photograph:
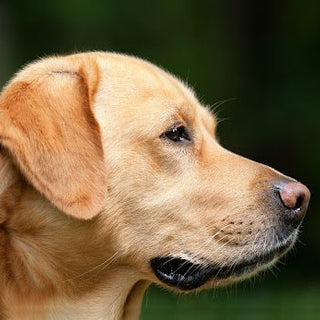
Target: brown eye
point(177, 134)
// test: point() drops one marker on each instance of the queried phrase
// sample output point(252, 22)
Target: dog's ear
point(47, 124)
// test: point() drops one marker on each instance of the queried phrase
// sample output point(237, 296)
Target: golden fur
point(89, 193)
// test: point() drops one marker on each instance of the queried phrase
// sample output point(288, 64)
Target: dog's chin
point(186, 275)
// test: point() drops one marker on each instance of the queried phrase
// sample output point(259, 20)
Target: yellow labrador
point(111, 178)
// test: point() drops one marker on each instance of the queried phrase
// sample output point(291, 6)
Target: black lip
point(186, 275)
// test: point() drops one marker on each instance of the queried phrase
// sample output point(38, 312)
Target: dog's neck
point(114, 300)
point(52, 266)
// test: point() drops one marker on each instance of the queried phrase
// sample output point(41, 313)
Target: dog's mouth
point(186, 275)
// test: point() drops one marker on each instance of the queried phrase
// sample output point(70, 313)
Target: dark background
point(262, 55)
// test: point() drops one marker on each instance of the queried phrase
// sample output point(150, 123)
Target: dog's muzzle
point(288, 198)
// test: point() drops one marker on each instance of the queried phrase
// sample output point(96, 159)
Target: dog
point(111, 179)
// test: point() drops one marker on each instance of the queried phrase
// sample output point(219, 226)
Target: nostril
point(299, 202)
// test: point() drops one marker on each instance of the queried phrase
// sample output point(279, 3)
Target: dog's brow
point(178, 112)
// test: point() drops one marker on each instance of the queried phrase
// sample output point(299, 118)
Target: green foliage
point(261, 303)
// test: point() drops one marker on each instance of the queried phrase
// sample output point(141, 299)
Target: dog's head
point(114, 138)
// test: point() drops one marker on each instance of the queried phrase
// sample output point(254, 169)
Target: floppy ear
point(47, 124)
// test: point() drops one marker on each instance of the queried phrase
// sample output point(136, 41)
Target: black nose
point(294, 198)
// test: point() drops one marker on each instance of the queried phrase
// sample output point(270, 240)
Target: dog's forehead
point(137, 89)
point(139, 78)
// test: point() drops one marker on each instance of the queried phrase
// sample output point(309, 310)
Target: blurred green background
point(263, 55)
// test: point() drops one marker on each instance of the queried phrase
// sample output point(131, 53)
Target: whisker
point(195, 254)
point(213, 107)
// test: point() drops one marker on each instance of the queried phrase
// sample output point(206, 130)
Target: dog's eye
point(177, 134)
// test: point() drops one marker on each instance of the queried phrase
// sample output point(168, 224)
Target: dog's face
point(185, 212)
point(193, 211)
